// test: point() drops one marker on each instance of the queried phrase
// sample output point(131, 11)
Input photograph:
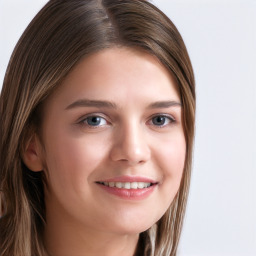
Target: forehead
point(118, 73)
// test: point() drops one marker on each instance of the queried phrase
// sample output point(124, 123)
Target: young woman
point(97, 123)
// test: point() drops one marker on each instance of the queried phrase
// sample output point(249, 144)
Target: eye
point(94, 121)
point(162, 120)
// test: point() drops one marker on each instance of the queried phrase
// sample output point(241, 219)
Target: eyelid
point(168, 116)
point(84, 117)
point(171, 117)
point(81, 120)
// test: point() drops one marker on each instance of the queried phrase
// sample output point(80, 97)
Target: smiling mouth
point(127, 185)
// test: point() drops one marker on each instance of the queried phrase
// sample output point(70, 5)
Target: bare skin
point(115, 118)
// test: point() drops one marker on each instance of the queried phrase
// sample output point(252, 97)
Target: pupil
point(95, 120)
point(159, 120)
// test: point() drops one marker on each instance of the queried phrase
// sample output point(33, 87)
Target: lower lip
point(129, 194)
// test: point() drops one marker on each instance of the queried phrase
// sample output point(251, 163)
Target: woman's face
point(114, 143)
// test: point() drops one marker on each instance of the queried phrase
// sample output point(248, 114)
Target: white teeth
point(140, 184)
point(148, 184)
point(118, 185)
point(111, 184)
point(127, 185)
point(134, 185)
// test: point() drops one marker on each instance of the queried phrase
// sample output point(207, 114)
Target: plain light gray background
point(221, 38)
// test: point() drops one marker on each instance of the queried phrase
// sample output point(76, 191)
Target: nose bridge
point(131, 144)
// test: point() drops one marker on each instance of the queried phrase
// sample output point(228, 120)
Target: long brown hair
point(61, 34)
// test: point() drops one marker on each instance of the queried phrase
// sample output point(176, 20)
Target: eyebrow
point(91, 103)
point(165, 104)
point(109, 104)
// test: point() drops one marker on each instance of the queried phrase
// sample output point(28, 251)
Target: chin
point(133, 225)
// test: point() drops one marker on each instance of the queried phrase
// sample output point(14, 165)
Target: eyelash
point(166, 117)
point(84, 121)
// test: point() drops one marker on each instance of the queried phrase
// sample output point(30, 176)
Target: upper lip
point(129, 179)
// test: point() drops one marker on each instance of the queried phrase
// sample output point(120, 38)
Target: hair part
point(61, 34)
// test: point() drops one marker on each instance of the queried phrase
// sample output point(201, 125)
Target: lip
point(129, 194)
point(127, 178)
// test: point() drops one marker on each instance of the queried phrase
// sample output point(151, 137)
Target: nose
point(130, 145)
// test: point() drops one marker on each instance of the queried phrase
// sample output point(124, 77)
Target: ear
point(32, 156)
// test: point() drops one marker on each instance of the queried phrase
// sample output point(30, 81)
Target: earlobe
point(32, 156)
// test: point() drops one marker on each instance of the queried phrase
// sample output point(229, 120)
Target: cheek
point(171, 159)
point(172, 155)
point(71, 160)
point(71, 163)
